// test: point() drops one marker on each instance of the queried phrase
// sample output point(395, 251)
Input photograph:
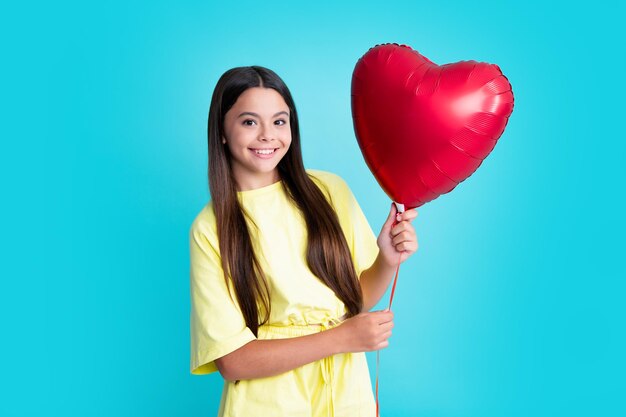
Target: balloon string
point(377, 366)
point(393, 288)
point(393, 291)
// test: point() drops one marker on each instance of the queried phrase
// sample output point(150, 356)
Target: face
point(258, 135)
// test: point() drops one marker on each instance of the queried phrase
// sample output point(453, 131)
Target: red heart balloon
point(424, 128)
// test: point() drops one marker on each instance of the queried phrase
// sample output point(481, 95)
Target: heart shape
point(424, 128)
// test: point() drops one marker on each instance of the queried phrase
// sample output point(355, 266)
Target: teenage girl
point(284, 265)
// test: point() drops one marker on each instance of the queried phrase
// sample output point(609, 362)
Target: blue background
point(513, 305)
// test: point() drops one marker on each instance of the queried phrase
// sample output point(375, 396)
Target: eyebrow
point(249, 113)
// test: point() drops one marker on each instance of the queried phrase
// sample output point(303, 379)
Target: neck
point(258, 181)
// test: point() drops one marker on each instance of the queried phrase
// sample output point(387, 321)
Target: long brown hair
point(327, 256)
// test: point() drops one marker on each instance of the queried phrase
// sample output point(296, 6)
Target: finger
point(377, 346)
point(402, 226)
point(386, 335)
point(382, 338)
point(385, 316)
point(406, 236)
point(408, 215)
point(390, 218)
point(408, 247)
point(382, 345)
point(386, 327)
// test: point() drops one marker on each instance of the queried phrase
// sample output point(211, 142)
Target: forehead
point(264, 101)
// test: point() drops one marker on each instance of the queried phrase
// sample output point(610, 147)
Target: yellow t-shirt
point(298, 298)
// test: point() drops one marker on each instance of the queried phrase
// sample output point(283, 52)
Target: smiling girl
point(284, 265)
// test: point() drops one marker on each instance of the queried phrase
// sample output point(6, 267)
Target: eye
point(248, 122)
point(280, 122)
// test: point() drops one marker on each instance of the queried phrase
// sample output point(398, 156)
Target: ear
point(223, 140)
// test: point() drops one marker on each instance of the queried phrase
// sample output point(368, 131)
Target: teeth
point(264, 151)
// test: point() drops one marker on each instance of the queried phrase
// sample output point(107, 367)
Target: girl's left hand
point(398, 242)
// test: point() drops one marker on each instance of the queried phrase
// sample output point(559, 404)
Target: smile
point(264, 151)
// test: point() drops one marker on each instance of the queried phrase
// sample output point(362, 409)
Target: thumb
point(391, 218)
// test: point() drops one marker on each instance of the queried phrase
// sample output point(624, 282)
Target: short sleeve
point(359, 235)
point(216, 323)
point(362, 240)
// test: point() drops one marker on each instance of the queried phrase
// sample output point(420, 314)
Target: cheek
point(236, 139)
point(234, 144)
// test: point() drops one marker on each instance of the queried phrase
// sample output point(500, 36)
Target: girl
point(284, 266)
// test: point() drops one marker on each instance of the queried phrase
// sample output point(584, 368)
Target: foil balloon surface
point(422, 127)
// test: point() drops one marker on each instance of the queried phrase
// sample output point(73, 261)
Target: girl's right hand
point(365, 332)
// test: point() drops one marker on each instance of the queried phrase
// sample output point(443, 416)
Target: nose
point(266, 134)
